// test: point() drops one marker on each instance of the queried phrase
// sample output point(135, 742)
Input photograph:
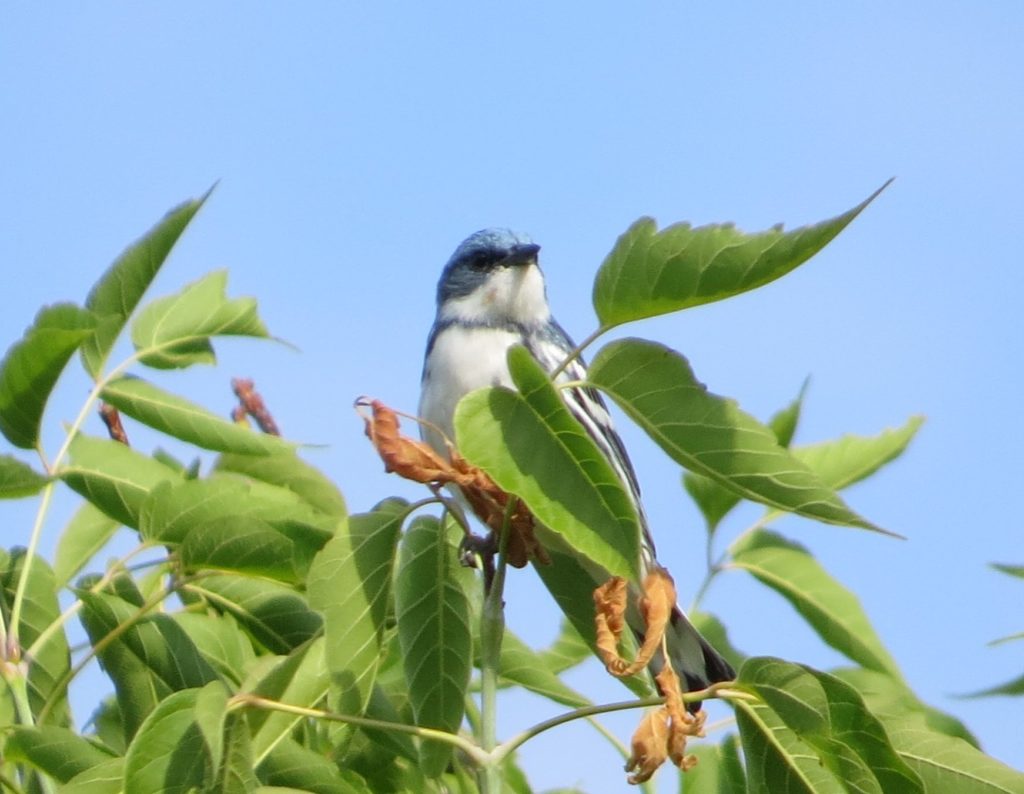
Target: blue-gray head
point(493, 277)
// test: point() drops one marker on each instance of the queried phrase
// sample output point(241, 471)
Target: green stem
point(253, 701)
point(492, 631)
point(577, 352)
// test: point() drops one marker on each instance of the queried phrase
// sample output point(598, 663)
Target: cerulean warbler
point(490, 297)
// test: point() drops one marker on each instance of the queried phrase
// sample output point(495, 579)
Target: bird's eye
point(481, 261)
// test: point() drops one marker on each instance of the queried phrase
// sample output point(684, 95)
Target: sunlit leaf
point(175, 331)
point(851, 458)
point(220, 641)
point(59, 752)
point(32, 366)
point(18, 479)
point(649, 272)
point(711, 435)
point(776, 760)
point(433, 628)
point(831, 609)
point(210, 715)
point(113, 477)
point(183, 419)
point(531, 445)
point(102, 778)
point(284, 468)
point(168, 753)
point(521, 665)
point(275, 615)
point(115, 296)
point(829, 715)
point(350, 584)
point(714, 501)
point(297, 768)
point(85, 534)
point(300, 679)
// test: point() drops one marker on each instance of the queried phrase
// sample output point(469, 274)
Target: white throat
point(510, 295)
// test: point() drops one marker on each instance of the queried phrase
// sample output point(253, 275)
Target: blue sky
point(355, 147)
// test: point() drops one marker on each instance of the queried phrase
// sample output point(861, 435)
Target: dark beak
point(525, 254)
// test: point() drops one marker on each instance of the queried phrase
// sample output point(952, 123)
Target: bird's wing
point(588, 406)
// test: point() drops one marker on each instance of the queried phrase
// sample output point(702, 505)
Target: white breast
point(462, 359)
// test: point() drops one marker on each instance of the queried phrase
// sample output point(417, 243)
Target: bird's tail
point(693, 658)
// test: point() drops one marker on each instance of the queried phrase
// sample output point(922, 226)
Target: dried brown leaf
point(610, 609)
point(252, 403)
point(648, 747)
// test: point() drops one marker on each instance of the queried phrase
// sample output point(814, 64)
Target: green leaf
point(175, 331)
point(220, 641)
point(532, 446)
point(149, 657)
point(117, 293)
point(113, 477)
point(831, 610)
point(1010, 570)
point(521, 665)
point(776, 760)
point(350, 583)
point(831, 717)
point(85, 534)
point(173, 511)
point(714, 631)
point(39, 610)
point(285, 469)
point(572, 584)
point(168, 753)
point(711, 435)
point(32, 366)
point(274, 614)
point(300, 679)
point(301, 769)
point(18, 479)
point(1012, 687)
point(58, 752)
point(211, 706)
point(182, 419)
point(851, 458)
point(568, 650)
point(714, 501)
point(719, 769)
point(100, 779)
point(887, 697)
point(277, 550)
point(649, 272)
point(434, 632)
point(948, 764)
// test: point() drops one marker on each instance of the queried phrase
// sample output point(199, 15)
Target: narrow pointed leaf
point(85, 534)
point(948, 764)
point(32, 366)
point(434, 632)
point(850, 459)
point(521, 665)
point(174, 510)
point(649, 272)
point(776, 760)
point(59, 752)
point(117, 293)
point(210, 715)
point(168, 754)
point(1009, 570)
point(832, 610)
point(350, 584)
point(533, 447)
point(183, 419)
point(275, 615)
point(301, 679)
point(220, 641)
point(18, 479)
point(104, 778)
point(286, 469)
point(568, 650)
point(719, 769)
point(711, 435)
point(175, 331)
point(113, 477)
point(831, 717)
point(39, 610)
point(714, 501)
